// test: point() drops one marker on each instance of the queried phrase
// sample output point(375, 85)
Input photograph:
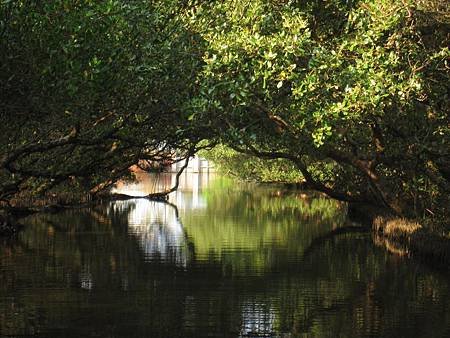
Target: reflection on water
point(86, 279)
point(257, 319)
point(189, 195)
point(219, 260)
point(157, 228)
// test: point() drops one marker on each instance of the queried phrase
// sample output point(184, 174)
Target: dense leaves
point(252, 168)
point(89, 88)
point(353, 94)
point(363, 90)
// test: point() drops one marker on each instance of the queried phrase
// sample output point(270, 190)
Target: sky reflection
point(157, 228)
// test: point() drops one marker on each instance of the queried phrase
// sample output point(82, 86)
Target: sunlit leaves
point(320, 76)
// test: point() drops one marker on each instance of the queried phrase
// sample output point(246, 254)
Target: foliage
point(353, 93)
point(89, 88)
point(252, 168)
point(362, 91)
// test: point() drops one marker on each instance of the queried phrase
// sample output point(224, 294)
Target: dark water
point(228, 261)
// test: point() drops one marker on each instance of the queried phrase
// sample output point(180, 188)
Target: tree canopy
point(89, 88)
point(354, 94)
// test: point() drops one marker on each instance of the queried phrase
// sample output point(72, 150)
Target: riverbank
point(10, 217)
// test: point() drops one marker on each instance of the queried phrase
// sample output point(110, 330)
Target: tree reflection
point(248, 264)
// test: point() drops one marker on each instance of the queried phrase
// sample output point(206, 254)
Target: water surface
point(220, 260)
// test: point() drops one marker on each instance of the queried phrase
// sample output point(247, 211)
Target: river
point(222, 259)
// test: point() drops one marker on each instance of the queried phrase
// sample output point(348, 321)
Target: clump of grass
point(418, 240)
point(395, 227)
